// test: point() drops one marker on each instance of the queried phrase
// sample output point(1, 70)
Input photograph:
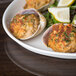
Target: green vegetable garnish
point(67, 41)
point(50, 19)
point(71, 35)
point(54, 20)
point(74, 31)
point(56, 40)
point(57, 35)
point(66, 35)
point(55, 4)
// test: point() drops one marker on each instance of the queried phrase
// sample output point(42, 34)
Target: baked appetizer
point(38, 4)
point(61, 38)
point(27, 24)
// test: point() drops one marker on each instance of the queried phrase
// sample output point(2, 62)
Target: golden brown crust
point(37, 4)
point(24, 25)
point(62, 38)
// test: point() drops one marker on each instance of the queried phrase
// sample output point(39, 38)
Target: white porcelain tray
point(35, 44)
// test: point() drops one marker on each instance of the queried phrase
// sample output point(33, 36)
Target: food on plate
point(74, 20)
point(24, 25)
point(60, 14)
point(38, 4)
point(27, 24)
point(55, 4)
point(61, 38)
point(66, 2)
point(49, 17)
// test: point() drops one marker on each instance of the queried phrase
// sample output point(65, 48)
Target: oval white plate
point(35, 44)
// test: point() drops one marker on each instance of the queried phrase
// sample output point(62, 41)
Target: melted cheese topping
point(23, 26)
point(36, 3)
point(63, 38)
